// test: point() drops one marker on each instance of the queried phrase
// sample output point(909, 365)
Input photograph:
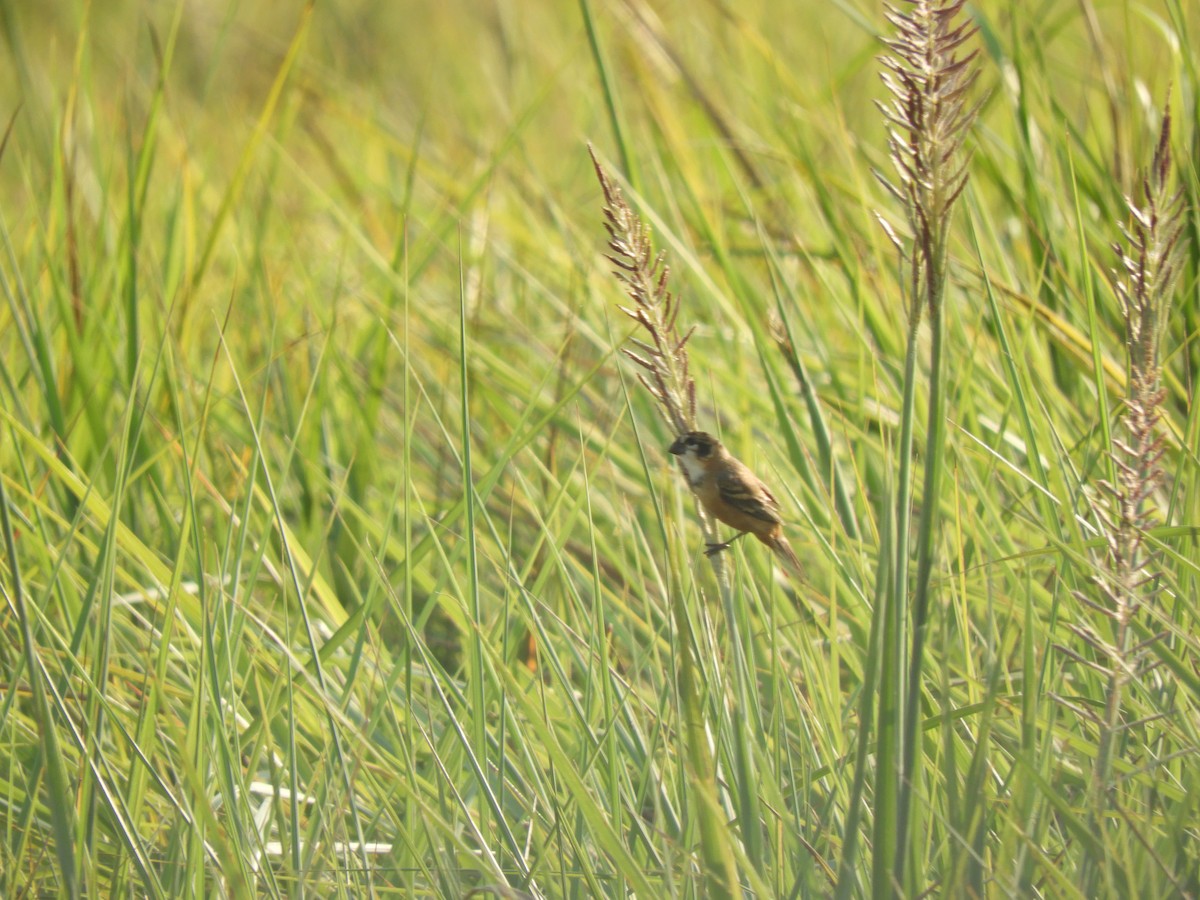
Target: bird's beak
point(678, 448)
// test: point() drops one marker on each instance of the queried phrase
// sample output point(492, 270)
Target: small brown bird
point(731, 493)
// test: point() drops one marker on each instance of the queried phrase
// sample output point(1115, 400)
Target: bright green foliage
point(343, 556)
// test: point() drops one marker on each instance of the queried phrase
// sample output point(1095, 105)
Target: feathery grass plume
point(1148, 263)
point(928, 118)
point(644, 277)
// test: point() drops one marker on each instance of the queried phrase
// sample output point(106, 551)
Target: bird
point(731, 493)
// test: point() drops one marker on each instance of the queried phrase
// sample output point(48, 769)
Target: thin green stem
point(62, 809)
point(890, 814)
point(926, 541)
point(607, 88)
point(720, 869)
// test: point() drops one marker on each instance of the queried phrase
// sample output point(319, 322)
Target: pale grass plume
point(643, 274)
point(1127, 577)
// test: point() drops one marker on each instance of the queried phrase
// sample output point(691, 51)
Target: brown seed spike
point(643, 275)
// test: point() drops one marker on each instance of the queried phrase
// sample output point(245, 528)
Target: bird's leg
point(713, 549)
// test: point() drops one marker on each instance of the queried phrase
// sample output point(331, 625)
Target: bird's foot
point(714, 549)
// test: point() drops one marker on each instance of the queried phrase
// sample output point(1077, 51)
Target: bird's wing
point(741, 489)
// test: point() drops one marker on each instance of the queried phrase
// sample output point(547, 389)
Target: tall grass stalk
point(663, 357)
point(1148, 264)
point(929, 115)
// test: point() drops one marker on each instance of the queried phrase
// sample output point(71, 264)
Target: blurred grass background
point(346, 545)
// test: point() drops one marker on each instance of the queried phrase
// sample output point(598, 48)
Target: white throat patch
point(692, 466)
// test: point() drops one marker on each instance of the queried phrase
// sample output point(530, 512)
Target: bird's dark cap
point(701, 440)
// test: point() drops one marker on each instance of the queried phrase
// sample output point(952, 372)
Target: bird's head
point(697, 451)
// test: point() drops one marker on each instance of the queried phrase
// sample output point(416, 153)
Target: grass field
point(343, 555)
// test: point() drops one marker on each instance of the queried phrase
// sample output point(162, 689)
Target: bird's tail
point(787, 557)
